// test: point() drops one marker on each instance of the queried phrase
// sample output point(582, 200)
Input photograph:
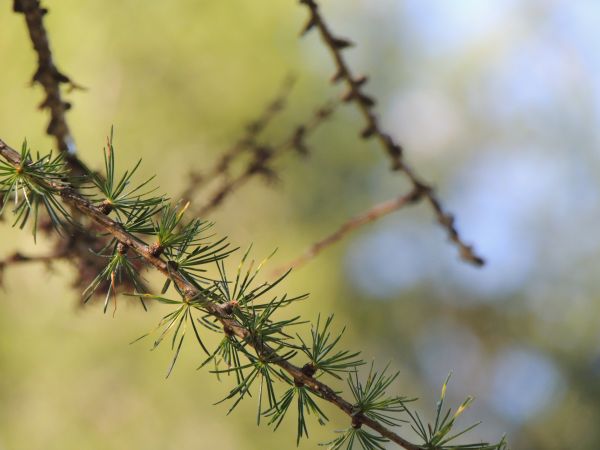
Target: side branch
point(365, 104)
point(19, 258)
point(244, 143)
point(377, 211)
point(263, 156)
point(222, 312)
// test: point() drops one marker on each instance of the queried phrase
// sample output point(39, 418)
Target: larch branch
point(219, 311)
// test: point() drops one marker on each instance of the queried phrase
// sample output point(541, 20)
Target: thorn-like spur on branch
point(365, 104)
point(245, 142)
point(263, 156)
point(50, 78)
point(220, 311)
point(374, 213)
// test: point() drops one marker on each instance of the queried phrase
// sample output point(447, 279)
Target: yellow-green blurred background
point(497, 104)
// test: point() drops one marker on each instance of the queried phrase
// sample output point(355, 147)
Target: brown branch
point(76, 247)
point(365, 104)
point(50, 78)
point(263, 155)
point(377, 211)
point(19, 258)
point(247, 141)
point(222, 312)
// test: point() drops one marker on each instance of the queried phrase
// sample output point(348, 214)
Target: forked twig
point(244, 143)
point(365, 103)
point(263, 155)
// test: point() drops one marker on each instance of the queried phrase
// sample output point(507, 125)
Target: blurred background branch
point(262, 155)
point(244, 143)
point(366, 104)
point(51, 79)
point(351, 225)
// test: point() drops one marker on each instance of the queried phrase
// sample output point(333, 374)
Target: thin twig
point(50, 78)
point(17, 258)
point(365, 104)
point(264, 154)
point(374, 213)
point(220, 311)
point(247, 141)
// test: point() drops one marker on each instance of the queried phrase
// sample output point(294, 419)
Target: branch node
point(228, 331)
point(366, 100)
point(309, 369)
point(349, 95)
point(156, 249)
point(105, 207)
point(368, 132)
point(122, 249)
point(341, 43)
point(312, 22)
point(361, 80)
point(230, 306)
point(337, 76)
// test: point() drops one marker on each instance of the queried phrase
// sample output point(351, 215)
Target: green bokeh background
point(179, 81)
